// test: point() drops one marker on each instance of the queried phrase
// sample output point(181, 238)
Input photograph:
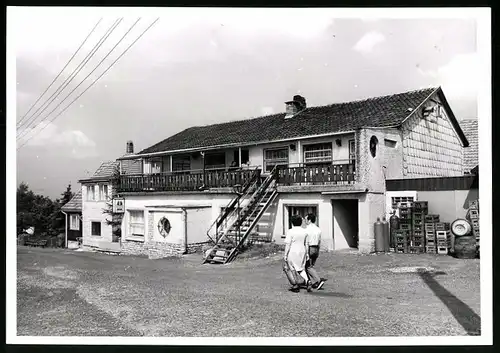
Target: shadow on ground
point(465, 316)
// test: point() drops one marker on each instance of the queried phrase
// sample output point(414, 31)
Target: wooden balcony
point(185, 181)
point(317, 175)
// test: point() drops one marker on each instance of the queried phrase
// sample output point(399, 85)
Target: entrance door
point(345, 223)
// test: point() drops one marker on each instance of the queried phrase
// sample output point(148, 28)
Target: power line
point(95, 81)
point(95, 68)
point(59, 74)
point(70, 78)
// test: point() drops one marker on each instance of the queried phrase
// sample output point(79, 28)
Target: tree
point(25, 198)
point(34, 210)
point(58, 218)
point(66, 196)
point(113, 219)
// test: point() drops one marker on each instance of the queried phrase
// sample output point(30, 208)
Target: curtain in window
point(136, 221)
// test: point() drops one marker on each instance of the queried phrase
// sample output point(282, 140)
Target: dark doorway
point(345, 215)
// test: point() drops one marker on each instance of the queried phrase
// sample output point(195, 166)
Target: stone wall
point(370, 207)
point(431, 147)
point(387, 163)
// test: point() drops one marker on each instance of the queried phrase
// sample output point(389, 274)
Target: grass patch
point(260, 250)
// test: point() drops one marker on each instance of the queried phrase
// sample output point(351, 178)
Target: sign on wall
point(119, 205)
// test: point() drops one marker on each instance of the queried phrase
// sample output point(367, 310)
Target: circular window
point(373, 146)
point(164, 226)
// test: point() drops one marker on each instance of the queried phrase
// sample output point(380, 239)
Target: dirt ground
point(68, 293)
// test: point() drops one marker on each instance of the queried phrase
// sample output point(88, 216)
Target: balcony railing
point(317, 174)
point(185, 180)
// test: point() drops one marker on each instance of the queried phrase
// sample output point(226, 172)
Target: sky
point(199, 66)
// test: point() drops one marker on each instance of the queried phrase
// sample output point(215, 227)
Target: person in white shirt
point(296, 251)
point(313, 242)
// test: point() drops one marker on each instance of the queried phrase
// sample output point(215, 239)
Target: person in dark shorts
point(313, 242)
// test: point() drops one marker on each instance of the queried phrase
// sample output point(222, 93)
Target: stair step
point(217, 260)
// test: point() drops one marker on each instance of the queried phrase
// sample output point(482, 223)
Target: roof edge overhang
point(93, 180)
point(244, 144)
point(449, 113)
point(71, 209)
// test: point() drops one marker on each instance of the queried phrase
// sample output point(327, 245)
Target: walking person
point(296, 252)
point(313, 242)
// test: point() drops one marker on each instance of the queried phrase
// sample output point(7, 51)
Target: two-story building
point(330, 160)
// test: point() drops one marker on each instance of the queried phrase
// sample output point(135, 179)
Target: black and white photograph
point(260, 176)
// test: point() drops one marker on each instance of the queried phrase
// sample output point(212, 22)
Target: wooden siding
point(184, 181)
point(434, 184)
point(312, 175)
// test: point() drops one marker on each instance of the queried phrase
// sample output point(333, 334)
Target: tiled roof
point(471, 153)
point(382, 111)
point(75, 204)
point(106, 170)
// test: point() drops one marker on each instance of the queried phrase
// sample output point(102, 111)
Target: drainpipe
point(185, 231)
point(65, 229)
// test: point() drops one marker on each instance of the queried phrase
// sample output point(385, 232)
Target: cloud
point(459, 78)
point(369, 41)
point(47, 134)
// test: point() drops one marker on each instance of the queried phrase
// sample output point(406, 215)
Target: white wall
point(214, 201)
point(339, 153)
point(325, 218)
point(92, 211)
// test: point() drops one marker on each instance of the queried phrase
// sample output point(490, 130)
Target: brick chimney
point(295, 106)
point(130, 148)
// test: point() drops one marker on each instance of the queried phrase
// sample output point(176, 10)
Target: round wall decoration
point(164, 226)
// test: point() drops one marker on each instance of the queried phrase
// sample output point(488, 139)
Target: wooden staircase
point(240, 222)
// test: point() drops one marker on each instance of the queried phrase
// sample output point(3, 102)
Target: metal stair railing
point(258, 196)
point(229, 210)
point(234, 251)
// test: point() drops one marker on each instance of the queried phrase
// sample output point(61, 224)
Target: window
point(352, 151)
point(318, 153)
point(396, 200)
point(215, 160)
point(272, 157)
point(103, 192)
point(180, 163)
point(245, 156)
point(95, 228)
point(373, 146)
point(91, 192)
point(301, 211)
point(390, 143)
point(136, 223)
point(74, 222)
point(152, 166)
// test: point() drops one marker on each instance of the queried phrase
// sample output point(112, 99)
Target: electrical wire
point(70, 77)
point(59, 74)
point(95, 81)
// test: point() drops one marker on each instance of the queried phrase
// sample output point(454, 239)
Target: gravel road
point(68, 293)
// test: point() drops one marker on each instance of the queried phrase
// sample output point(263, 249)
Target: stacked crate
point(443, 237)
point(418, 239)
point(430, 233)
point(473, 217)
point(403, 234)
point(401, 238)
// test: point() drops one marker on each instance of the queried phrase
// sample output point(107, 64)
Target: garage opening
point(345, 223)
